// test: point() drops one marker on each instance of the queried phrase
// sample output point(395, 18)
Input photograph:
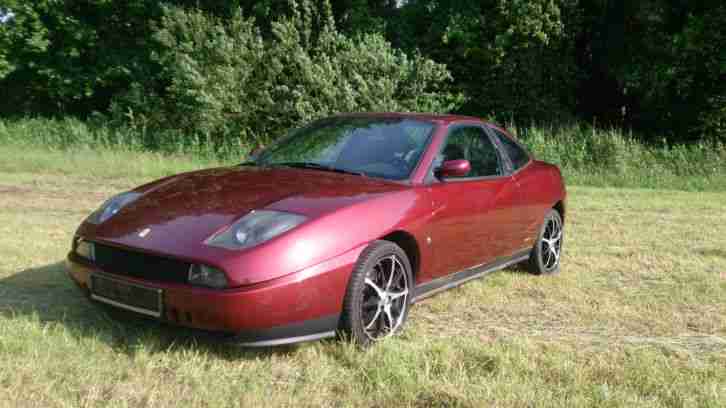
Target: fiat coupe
point(337, 228)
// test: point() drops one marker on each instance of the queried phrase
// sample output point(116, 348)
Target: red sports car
point(338, 227)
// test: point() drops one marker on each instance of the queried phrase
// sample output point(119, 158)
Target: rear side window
point(516, 153)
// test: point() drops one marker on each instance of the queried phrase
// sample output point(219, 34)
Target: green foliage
point(712, 121)
point(21, 32)
point(657, 66)
point(586, 155)
point(660, 69)
point(73, 56)
point(74, 135)
point(703, 81)
point(590, 156)
point(511, 58)
point(226, 82)
point(70, 56)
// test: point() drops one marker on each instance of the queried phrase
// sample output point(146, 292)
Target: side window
point(472, 143)
point(517, 155)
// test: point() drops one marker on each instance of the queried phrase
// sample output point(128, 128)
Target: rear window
point(516, 153)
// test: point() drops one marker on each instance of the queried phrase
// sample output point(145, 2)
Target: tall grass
point(72, 134)
point(591, 156)
point(586, 155)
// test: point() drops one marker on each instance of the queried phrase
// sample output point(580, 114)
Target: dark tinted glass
point(471, 143)
point(517, 155)
point(386, 148)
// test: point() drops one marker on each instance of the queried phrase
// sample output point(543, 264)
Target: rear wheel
point(545, 256)
point(378, 295)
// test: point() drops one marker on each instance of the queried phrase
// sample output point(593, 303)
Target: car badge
point(144, 232)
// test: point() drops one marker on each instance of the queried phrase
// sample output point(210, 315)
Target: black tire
point(362, 301)
point(542, 259)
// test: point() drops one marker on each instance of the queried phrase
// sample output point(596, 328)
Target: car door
point(472, 215)
point(528, 213)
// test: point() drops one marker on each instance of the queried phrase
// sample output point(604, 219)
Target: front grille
point(139, 265)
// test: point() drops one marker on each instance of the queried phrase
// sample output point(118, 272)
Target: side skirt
point(455, 279)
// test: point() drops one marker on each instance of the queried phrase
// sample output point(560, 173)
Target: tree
point(73, 56)
point(222, 79)
point(656, 65)
point(511, 58)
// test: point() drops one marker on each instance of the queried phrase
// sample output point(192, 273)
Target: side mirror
point(454, 168)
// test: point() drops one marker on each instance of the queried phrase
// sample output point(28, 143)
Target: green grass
point(73, 134)
point(98, 164)
point(593, 157)
point(587, 156)
point(637, 317)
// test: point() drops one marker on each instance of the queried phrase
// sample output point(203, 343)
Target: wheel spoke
point(374, 319)
point(552, 257)
point(545, 246)
point(393, 272)
point(548, 255)
point(396, 295)
point(379, 292)
point(390, 319)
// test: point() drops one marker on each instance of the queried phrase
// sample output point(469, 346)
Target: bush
point(226, 83)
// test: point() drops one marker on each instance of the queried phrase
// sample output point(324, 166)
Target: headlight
point(204, 275)
point(85, 249)
point(256, 228)
point(112, 206)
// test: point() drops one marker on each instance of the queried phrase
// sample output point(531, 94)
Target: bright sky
point(6, 15)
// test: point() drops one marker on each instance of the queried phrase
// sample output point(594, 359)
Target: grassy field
point(636, 317)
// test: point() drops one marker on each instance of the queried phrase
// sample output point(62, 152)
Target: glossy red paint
point(184, 211)
point(308, 294)
point(454, 168)
point(302, 275)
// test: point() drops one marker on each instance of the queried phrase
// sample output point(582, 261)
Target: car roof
point(429, 117)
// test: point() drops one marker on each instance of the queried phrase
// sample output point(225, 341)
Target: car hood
point(182, 211)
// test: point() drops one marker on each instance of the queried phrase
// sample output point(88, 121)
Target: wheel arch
point(560, 208)
point(409, 245)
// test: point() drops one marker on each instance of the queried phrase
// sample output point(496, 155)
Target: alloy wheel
point(551, 243)
point(385, 298)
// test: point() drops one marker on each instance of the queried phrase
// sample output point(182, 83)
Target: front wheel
point(545, 256)
point(378, 295)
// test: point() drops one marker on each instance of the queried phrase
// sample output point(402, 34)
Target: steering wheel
point(400, 164)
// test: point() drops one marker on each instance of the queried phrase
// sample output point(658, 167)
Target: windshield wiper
point(318, 166)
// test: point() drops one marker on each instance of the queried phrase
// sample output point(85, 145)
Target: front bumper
point(302, 306)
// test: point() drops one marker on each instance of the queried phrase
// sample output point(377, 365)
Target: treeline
point(247, 70)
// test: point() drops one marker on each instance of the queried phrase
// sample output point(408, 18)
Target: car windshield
point(388, 148)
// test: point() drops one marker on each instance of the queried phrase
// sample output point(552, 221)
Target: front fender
point(329, 236)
